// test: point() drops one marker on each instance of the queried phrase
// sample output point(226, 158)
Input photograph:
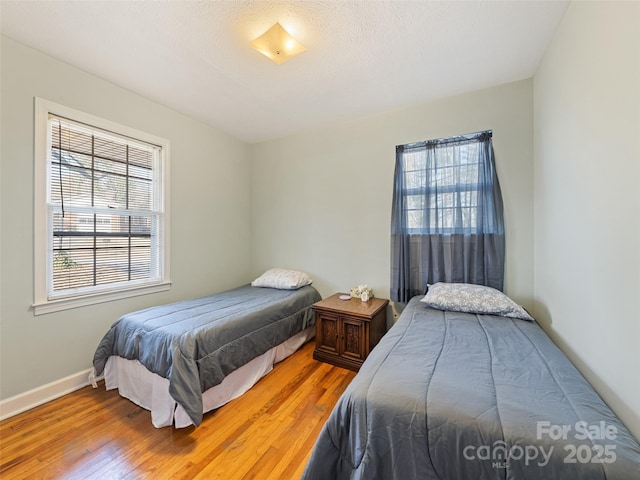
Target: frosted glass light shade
point(277, 44)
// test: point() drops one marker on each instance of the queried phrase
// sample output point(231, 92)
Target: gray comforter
point(196, 343)
point(449, 395)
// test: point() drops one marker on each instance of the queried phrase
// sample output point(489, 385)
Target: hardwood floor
point(268, 433)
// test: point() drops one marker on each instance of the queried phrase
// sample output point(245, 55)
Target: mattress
point(449, 395)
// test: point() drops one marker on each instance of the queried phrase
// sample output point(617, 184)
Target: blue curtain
point(447, 216)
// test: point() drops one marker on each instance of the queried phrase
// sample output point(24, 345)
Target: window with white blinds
point(105, 196)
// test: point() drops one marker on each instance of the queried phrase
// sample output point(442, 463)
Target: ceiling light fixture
point(277, 44)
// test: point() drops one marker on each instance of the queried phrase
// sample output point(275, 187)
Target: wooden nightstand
point(347, 330)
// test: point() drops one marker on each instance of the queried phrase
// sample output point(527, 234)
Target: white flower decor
point(362, 292)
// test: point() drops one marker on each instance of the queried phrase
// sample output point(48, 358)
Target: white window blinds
point(104, 209)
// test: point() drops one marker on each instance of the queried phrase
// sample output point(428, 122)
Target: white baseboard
point(33, 398)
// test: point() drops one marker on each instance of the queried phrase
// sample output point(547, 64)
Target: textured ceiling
point(363, 57)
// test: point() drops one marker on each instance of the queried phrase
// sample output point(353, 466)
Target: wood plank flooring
point(268, 433)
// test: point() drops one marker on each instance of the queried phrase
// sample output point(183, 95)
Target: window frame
point(43, 303)
point(426, 190)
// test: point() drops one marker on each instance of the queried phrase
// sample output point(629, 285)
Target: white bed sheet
point(151, 391)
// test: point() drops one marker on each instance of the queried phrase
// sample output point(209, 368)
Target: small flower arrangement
point(362, 292)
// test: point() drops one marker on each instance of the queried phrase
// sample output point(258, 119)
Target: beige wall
point(321, 201)
point(587, 198)
point(210, 179)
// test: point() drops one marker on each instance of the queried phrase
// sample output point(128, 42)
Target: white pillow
point(465, 297)
point(282, 279)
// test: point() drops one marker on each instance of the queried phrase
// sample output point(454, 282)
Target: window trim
point(42, 303)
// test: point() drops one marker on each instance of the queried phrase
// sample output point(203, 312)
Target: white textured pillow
point(282, 279)
point(465, 297)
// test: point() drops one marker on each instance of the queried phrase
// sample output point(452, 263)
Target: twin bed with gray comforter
point(196, 343)
point(451, 395)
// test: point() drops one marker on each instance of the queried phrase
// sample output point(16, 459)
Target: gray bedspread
point(449, 395)
point(196, 343)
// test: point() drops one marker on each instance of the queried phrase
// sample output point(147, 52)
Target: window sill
point(57, 305)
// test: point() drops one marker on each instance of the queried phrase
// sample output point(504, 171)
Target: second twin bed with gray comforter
point(455, 395)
